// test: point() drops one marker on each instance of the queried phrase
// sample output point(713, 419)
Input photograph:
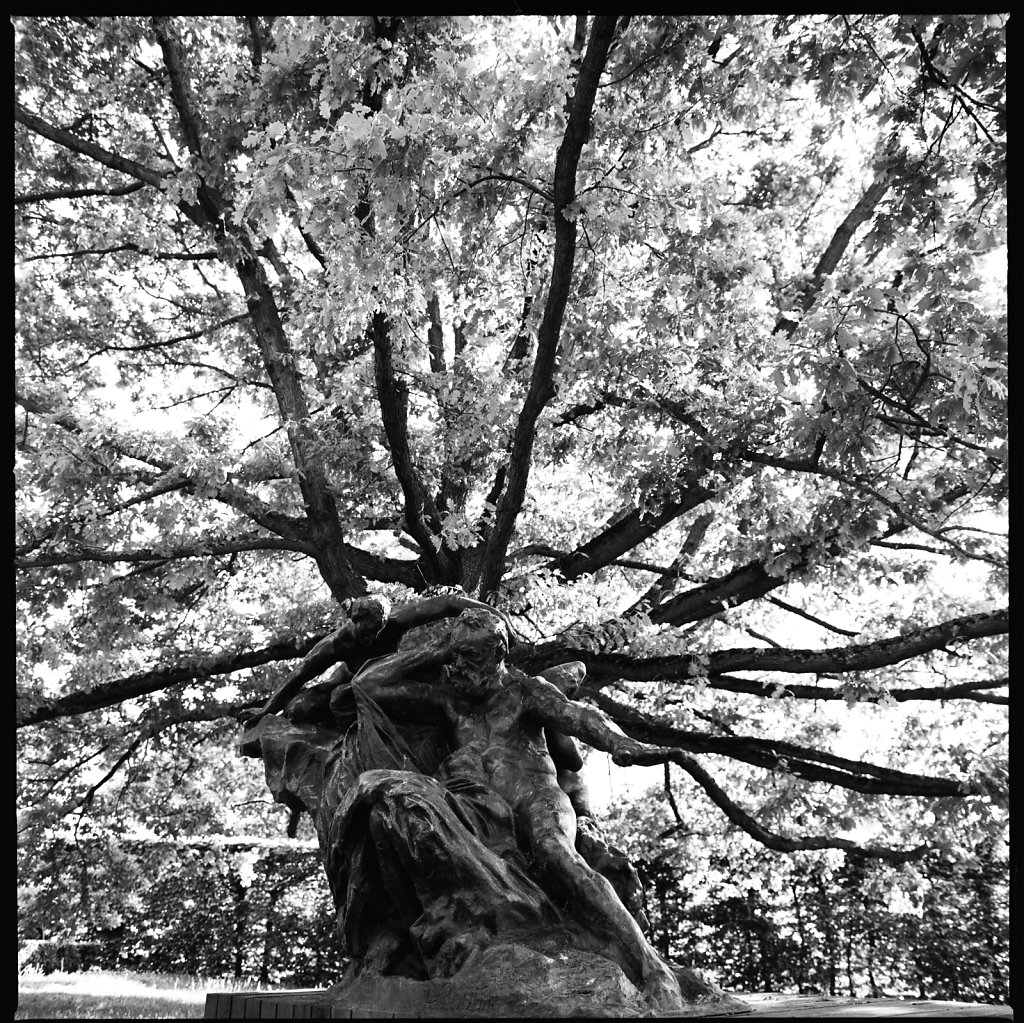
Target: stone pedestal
point(504, 981)
point(317, 1005)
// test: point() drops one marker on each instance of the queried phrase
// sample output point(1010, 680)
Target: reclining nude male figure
point(495, 717)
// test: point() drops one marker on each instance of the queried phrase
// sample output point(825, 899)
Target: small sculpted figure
point(369, 629)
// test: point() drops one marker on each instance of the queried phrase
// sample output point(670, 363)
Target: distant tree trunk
point(661, 883)
point(268, 932)
point(990, 923)
point(801, 963)
point(829, 927)
point(875, 990)
point(750, 968)
point(241, 903)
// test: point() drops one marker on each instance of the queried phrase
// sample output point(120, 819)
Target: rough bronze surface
point(462, 857)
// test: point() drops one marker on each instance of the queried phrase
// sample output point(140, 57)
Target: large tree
point(676, 338)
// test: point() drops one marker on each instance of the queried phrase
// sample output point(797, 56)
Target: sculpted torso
point(509, 742)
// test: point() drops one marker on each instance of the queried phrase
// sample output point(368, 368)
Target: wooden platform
point(310, 1004)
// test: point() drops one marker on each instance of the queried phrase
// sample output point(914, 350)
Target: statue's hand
point(626, 754)
point(463, 603)
point(252, 716)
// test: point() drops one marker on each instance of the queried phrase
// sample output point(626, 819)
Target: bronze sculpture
point(445, 793)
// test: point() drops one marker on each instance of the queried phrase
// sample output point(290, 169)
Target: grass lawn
point(108, 995)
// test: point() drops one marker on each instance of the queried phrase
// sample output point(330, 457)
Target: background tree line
point(836, 925)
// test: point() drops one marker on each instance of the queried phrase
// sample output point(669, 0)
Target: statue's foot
point(660, 989)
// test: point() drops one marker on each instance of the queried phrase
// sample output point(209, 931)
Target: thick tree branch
point(435, 336)
point(607, 667)
point(598, 730)
point(970, 691)
point(278, 361)
point(628, 531)
point(79, 145)
point(542, 386)
point(771, 840)
point(748, 582)
point(779, 755)
point(190, 119)
point(837, 246)
point(296, 533)
point(286, 526)
point(142, 683)
point(276, 352)
point(421, 516)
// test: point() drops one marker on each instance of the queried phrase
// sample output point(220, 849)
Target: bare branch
point(287, 526)
point(515, 179)
point(127, 247)
point(970, 691)
point(171, 341)
point(811, 618)
point(779, 843)
point(310, 242)
point(76, 193)
point(202, 549)
point(156, 725)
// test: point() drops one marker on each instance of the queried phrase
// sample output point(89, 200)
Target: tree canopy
point(681, 339)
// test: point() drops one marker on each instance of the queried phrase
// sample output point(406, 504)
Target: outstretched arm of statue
point(432, 609)
point(323, 656)
point(364, 620)
point(386, 671)
point(561, 714)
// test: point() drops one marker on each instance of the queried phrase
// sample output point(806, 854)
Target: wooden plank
point(218, 1005)
point(236, 1006)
